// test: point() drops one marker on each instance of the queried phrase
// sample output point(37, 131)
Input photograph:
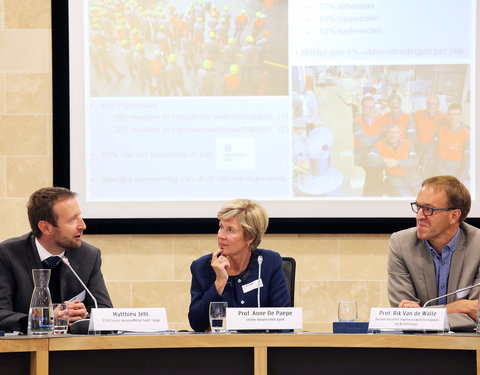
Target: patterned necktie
point(51, 262)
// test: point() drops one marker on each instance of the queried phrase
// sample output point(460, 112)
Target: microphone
point(66, 261)
point(260, 261)
point(449, 294)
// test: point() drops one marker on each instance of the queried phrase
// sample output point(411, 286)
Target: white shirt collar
point(44, 253)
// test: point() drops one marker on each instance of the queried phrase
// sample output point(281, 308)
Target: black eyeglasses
point(428, 211)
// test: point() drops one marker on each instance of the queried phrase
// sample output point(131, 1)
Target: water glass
point(347, 311)
point(218, 315)
point(60, 318)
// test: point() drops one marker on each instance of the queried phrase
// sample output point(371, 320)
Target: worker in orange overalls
point(258, 23)
point(232, 81)
point(159, 78)
point(452, 151)
point(404, 120)
point(240, 23)
point(427, 122)
point(397, 156)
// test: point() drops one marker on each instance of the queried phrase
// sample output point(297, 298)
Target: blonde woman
point(231, 272)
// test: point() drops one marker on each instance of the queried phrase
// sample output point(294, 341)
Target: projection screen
point(329, 113)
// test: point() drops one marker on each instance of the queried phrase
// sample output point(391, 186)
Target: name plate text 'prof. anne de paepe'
point(264, 318)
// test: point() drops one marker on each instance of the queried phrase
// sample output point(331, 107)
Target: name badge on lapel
point(251, 286)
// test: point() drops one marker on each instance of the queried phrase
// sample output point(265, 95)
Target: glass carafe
point(40, 315)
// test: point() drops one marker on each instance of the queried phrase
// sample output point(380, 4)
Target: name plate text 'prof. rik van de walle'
point(129, 319)
point(264, 318)
point(408, 319)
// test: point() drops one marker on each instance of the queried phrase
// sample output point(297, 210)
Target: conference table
point(241, 353)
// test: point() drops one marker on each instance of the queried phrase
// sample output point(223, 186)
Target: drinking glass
point(218, 315)
point(60, 318)
point(347, 311)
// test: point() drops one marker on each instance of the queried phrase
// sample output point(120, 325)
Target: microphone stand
point(449, 294)
point(260, 261)
point(80, 326)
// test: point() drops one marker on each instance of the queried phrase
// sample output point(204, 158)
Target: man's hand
point(407, 303)
point(76, 310)
point(464, 306)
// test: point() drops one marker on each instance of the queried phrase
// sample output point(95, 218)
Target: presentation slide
point(314, 108)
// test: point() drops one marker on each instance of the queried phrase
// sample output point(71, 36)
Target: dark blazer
point(18, 256)
point(411, 271)
point(274, 292)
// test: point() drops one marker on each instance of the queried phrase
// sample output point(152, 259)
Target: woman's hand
point(220, 264)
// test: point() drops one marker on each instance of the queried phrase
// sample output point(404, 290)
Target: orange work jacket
point(451, 143)
point(398, 153)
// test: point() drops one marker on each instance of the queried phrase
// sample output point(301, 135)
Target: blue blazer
point(274, 292)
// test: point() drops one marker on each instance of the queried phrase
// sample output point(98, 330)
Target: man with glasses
point(440, 255)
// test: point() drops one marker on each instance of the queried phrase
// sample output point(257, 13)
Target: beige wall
point(152, 270)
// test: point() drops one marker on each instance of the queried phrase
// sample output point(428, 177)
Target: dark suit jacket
point(411, 271)
point(274, 292)
point(18, 256)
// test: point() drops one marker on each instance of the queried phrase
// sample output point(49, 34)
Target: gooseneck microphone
point(449, 294)
point(260, 261)
point(66, 261)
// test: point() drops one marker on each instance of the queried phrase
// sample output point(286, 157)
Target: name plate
point(262, 318)
point(409, 319)
point(129, 319)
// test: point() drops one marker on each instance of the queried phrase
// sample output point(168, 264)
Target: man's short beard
point(71, 245)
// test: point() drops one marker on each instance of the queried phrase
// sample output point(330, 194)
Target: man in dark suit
point(439, 256)
point(57, 228)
